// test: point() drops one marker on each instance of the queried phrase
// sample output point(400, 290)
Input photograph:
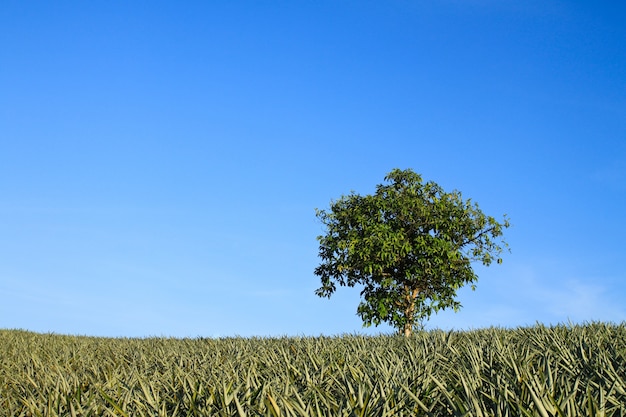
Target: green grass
point(535, 371)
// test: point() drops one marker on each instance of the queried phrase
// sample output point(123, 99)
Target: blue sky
point(161, 162)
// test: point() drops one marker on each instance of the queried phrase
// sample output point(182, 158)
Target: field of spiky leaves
point(573, 370)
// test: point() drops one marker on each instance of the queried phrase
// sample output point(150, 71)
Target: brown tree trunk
point(408, 329)
point(409, 311)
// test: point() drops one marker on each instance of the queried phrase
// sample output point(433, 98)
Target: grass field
point(574, 370)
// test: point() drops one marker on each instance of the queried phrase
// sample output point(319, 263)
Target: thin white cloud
point(580, 300)
point(523, 295)
point(549, 298)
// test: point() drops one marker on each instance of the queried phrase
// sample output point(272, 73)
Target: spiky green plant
point(575, 370)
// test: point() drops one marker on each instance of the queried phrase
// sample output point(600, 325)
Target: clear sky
point(161, 162)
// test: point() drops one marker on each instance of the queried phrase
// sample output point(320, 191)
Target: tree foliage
point(410, 245)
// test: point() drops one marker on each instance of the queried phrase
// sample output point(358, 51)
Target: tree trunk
point(409, 311)
point(408, 329)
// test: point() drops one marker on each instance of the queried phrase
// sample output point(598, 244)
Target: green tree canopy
point(410, 245)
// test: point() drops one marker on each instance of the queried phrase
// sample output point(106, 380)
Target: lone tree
point(410, 245)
